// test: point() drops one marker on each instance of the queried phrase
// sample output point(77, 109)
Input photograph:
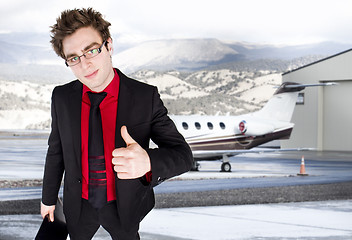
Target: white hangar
point(323, 115)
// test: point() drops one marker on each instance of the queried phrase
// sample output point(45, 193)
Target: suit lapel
point(127, 190)
point(125, 105)
point(75, 104)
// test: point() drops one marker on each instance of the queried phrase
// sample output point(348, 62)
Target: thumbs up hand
point(132, 161)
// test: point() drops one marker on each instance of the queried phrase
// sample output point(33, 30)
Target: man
point(112, 187)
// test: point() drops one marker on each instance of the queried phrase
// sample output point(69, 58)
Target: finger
point(51, 216)
point(119, 161)
point(122, 164)
point(115, 161)
point(126, 136)
point(121, 152)
point(120, 169)
point(43, 213)
point(123, 175)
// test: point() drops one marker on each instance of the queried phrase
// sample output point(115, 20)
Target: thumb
point(126, 136)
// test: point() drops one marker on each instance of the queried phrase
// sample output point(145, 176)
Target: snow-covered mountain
point(26, 105)
point(194, 76)
point(196, 54)
point(162, 55)
point(181, 54)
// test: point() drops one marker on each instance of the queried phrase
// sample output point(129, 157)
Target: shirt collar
point(111, 89)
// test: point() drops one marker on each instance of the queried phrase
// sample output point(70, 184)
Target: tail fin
point(281, 106)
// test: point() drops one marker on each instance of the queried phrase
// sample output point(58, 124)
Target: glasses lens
point(73, 61)
point(92, 53)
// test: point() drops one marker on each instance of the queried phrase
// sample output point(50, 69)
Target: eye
point(74, 59)
point(92, 51)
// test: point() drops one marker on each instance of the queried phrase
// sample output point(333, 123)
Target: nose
point(85, 63)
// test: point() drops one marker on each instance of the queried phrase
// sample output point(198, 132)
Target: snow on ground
point(258, 94)
point(261, 87)
point(309, 220)
point(222, 78)
point(22, 119)
point(328, 220)
point(243, 86)
point(275, 78)
point(38, 92)
point(172, 87)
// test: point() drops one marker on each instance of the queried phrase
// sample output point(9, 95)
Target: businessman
point(102, 124)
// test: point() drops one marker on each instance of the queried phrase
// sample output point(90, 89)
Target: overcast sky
point(255, 21)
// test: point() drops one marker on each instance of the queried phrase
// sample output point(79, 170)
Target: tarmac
point(302, 220)
point(315, 207)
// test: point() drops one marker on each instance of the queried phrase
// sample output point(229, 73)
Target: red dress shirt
point(108, 109)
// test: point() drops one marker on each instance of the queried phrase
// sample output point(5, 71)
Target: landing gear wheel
point(225, 167)
point(195, 166)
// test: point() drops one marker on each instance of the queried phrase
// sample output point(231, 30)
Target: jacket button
point(79, 181)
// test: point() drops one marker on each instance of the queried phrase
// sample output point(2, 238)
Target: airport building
point(323, 115)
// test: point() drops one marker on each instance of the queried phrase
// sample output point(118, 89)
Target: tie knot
point(96, 98)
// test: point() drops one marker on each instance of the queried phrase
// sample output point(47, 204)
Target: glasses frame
point(85, 56)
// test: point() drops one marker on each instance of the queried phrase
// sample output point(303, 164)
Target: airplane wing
point(218, 154)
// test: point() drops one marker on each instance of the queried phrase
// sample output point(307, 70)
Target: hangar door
point(337, 117)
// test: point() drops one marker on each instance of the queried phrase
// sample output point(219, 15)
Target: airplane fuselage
point(229, 132)
point(214, 137)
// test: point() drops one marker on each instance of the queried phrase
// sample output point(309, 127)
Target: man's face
point(97, 72)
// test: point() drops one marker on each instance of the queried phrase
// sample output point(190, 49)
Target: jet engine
point(254, 128)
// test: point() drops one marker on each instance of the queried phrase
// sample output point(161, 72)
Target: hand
point(47, 211)
point(132, 161)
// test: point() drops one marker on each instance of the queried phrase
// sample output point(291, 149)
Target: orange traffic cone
point(302, 171)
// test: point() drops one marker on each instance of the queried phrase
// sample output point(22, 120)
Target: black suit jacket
point(142, 111)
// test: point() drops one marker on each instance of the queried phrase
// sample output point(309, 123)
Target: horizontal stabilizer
point(281, 106)
point(310, 85)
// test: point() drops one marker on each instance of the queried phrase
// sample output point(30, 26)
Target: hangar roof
point(332, 56)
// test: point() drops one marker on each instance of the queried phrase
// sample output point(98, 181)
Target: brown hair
point(72, 20)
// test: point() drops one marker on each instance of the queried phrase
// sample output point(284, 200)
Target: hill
point(194, 76)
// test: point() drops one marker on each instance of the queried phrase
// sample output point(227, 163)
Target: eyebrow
point(84, 50)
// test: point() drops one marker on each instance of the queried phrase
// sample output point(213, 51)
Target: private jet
point(219, 137)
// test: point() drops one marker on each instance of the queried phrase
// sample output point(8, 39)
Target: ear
point(109, 45)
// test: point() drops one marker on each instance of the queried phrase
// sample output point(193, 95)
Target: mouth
point(92, 75)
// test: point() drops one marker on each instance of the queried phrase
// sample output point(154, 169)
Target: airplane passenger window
point(185, 125)
point(222, 125)
point(197, 124)
point(210, 125)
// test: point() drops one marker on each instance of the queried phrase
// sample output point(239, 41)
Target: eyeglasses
point(89, 54)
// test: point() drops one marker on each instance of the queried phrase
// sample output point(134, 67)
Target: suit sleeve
point(173, 155)
point(54, 164)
